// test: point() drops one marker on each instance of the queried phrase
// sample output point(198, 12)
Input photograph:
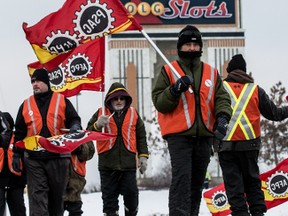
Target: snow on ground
point(151, 203)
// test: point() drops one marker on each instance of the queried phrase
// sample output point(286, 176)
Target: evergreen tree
point(274, 134)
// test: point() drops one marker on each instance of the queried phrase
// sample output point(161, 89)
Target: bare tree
point(274, 134)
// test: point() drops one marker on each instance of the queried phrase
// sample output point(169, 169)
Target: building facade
point(134, 62)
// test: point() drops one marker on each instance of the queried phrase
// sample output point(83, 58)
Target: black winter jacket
point(43, 101)
point(266, 107)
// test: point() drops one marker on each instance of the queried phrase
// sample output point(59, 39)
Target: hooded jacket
point(266, 108)
point(165, 102)
point(119, 157)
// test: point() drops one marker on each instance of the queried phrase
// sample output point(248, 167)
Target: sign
point(196, 12)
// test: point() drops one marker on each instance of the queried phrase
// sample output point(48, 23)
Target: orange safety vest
point(78, 166)
point(245, 120)
point(10, 157)
point(55, 116)
point(183, 116)
point(128, 131)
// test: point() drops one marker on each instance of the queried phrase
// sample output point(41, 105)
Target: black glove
point(221, 127)
point(74, 128)
point(16, 164)
point(181, 85)
point(78, 150)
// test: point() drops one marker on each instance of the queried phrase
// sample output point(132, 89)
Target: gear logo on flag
point(60, 42)
point(277, 184)
point(73, 137)
point(219, 200)
point(93, 20)
point(79, 66)
point(57, 78)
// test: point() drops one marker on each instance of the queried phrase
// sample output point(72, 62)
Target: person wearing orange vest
point(77, 181)
point(192, 111)
point(239, 149)
point(12, 183)
point(118, 157)
point(44, 113)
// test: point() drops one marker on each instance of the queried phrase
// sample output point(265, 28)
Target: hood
point(116, 90)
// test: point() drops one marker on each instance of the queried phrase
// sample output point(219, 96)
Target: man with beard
point(189, 121)
point(44, 113)
point(118, 157)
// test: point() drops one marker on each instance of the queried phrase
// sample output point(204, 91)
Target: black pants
point(15, 201)
point(46, 181)
point(114, 183)
point(190, 157)
point(241, 176)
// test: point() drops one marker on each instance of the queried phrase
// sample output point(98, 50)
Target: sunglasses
point(118, 98)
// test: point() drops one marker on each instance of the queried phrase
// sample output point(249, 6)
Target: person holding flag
point(118, 156)
point(239, 150)
point(190, 120)
point(44, 113)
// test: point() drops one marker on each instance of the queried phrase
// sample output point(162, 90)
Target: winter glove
point(142, 164)
point(74, 128)
point(16, 164)
point(102, 121)
point(78, 150)
point(221, 127)
point(181, 85)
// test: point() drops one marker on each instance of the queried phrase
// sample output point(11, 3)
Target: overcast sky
point(265, 24)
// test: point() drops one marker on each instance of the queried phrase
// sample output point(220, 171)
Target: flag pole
point(163, 56)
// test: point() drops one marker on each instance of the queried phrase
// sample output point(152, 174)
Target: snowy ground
point(152, 203)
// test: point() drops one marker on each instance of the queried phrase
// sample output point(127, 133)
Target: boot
point(111, 214)
point(130, 213)
point(74, 208)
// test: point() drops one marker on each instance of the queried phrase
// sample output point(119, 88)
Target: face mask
point(190, 55)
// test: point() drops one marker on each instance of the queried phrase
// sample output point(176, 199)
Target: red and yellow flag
point(274, 186)
point(76, 23)
point(80, 69)
point(62, 144)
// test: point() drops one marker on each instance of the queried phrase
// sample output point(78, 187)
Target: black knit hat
point(189, 34)
point(41, 75)
point(9, 118)
point(237, 62)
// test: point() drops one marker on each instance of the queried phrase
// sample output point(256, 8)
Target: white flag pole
point(163, 56)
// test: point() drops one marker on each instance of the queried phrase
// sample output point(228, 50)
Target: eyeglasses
point(118, 98)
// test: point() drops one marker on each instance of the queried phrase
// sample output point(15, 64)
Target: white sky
point(265, 24)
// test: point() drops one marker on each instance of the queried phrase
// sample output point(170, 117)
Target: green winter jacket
point(165, 102)
point(119, 158)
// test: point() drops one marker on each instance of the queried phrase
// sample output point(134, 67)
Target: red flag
point(62, 144)
point(82, 69)
point(274, 186)
point(76, 23)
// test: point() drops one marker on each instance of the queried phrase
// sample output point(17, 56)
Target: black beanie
point(237, 62)
point(189, 34)
point(9, 118)
point(41, 75)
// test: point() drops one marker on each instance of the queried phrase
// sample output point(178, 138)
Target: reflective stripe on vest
point(128, 131)
point(239, 117)
point(173, 122)
point(55, 115)
point(78, 166)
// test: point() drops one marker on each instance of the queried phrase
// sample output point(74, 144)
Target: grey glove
point(142, 164)
point(74, 128)
point(16, 164)
point(102, 121)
